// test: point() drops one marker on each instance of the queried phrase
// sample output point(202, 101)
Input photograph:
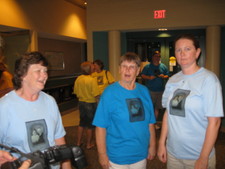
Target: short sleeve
point(212, 97)
point(59, 128)
point(165, 70)
point(145, 70)
point(110, 77)
point(102, 113)
point(166, 94)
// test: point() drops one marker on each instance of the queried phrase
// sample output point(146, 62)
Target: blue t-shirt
point(126, 115)
point(157, 84)
point(190, 100)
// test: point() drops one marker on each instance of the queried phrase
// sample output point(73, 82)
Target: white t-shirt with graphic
point(29, 126)
point(190, 100)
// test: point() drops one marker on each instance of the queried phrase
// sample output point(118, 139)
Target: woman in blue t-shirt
point(124, 120)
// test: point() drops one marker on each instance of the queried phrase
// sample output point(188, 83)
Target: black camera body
point(53, 155)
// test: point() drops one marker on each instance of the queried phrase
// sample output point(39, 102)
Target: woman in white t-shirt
point(194, 107)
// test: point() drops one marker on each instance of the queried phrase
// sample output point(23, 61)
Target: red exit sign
point(159, 14)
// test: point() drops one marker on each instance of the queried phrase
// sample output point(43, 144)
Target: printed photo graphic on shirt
point(37, 135)
point(177, 103)
point(100, 80)
point(136, 109)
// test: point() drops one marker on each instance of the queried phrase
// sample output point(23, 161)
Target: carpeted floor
point(92, 156)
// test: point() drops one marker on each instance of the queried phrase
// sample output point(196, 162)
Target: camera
point(53, 155)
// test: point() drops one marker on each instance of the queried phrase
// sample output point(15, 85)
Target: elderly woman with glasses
point(124, 120)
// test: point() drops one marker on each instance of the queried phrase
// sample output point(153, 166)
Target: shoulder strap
point(106, 76)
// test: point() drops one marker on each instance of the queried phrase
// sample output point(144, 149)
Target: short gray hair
point(131, 56)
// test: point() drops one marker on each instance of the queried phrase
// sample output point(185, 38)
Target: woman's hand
point(25, 165)
point(104, 160)
point(201, 163)
point(151, 152)
point(162, 153)
point(5, 157)
point(152, 143)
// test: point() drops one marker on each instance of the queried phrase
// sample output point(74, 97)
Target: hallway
point(71, 119)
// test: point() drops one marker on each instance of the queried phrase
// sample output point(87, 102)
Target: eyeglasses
point(130, 67)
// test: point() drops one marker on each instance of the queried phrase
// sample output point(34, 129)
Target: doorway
point(145, 43)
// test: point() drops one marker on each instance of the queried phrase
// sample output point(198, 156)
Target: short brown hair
point(189, 37)
point(22, 65)
point(99, 63)
point(131, 56)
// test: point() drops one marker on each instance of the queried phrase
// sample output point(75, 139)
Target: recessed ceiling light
point(162, 29)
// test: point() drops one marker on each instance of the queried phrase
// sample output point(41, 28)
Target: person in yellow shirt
point(6, 84)
point(87, 92)
point(104, 77)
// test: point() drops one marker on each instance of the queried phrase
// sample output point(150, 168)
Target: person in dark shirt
point(154, 75)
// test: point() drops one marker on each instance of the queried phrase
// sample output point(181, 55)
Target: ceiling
point(5, 29)
point(79, 3)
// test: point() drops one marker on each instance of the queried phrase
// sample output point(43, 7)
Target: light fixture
point(162, 29)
